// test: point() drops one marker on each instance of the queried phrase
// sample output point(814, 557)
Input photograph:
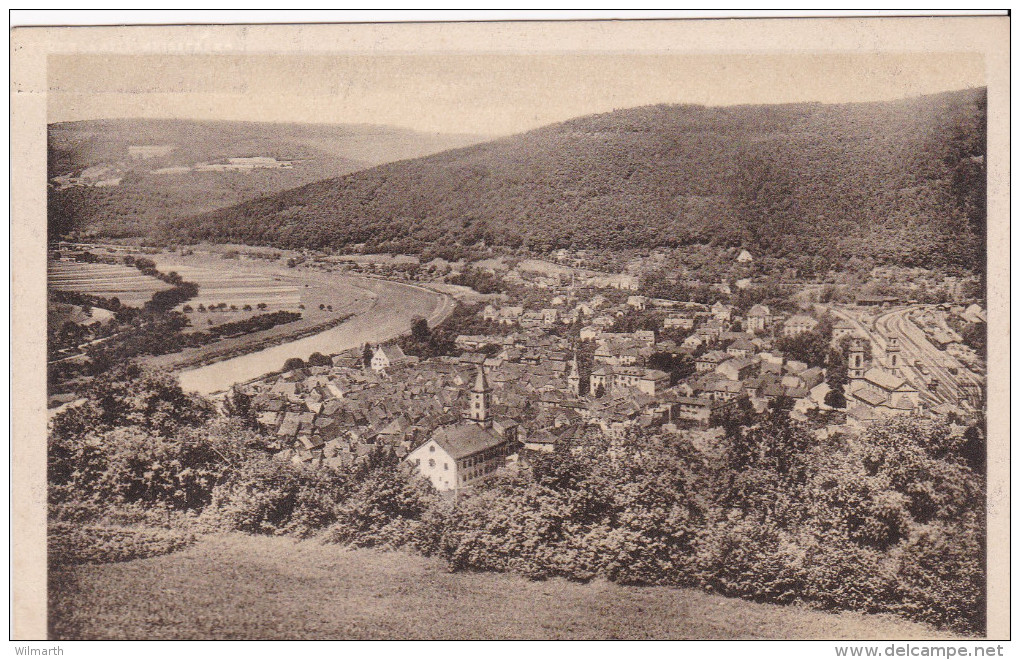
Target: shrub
point(385, 510)
point(941, 575)
point(68, 543)
point(269, 496)
point(319, 360)
point(293, 363)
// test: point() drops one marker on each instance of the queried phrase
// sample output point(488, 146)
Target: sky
point(476, 92)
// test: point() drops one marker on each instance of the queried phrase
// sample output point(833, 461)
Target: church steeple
point(574, 378)
point(480, 401)
point(855, 363)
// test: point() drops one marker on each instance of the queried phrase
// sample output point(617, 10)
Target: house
point(712, 329)
point(648, 381)
point(490, 313)
point(532, 320)
point(745, 257)
point(709, 361)
point(696, 409)
point(622, 281)
point(797, 324)
point(723, 389)
point(722, 311)
point(542, 440)
point(550, 315)
point(741, 348)
point(692, 342)
point(843, 328)
point(646, 337)
point(877, 301)
point(590, 332)
point(737, 368)
point(617, 354)
point(461, 455)
point(387, 356)
point(759, 317)
point(812, 377)
point(681, 321)
point(510, 315)
point(471, 342)
point(638, 302)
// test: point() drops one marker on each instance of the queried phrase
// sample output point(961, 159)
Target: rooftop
point(466, 439)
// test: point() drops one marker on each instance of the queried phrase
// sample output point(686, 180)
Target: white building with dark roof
point(387, 356)
point(461, 455)
point(797, 324)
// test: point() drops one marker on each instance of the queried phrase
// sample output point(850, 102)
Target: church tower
point(855, 365)
point(480, 401)
point(892, 354)
point(574, 378)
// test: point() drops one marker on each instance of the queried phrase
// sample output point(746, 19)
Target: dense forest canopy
point(900, 181)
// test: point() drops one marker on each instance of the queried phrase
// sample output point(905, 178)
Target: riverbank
point(384, 312)
point(226, 349)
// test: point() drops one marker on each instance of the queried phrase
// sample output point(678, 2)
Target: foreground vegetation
point(246, 587)
point(890, 520)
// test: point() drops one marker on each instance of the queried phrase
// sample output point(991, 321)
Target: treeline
point(889, 519)
point(891, 182)
point(163, 335)
point(479, 280)
point(255, 323)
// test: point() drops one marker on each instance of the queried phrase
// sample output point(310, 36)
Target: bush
point(68, 543)
point(941, 575)
point(269, 496)
point(386, 510)
point(293, 363)
point(750, 557)
point(319, 360)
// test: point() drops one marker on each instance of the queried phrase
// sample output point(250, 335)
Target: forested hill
point(126, 177)
point(900, 181)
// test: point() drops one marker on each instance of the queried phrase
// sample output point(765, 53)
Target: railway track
point(961, 388)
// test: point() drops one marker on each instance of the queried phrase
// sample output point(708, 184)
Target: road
point(387, 314)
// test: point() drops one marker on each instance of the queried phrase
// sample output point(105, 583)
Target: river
point(389, 315)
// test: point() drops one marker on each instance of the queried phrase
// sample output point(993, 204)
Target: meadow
point(255, 587)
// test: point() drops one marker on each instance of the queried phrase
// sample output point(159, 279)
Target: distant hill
point(126, 177)
point(900, 181)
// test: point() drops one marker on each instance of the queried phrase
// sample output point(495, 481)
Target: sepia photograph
point(639, 330)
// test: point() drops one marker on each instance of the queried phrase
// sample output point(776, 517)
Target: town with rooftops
point(563, 348)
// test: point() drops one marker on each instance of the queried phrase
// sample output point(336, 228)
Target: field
point(106, 280)
point(241, 290)
point(242, 587)
point(240, 282)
